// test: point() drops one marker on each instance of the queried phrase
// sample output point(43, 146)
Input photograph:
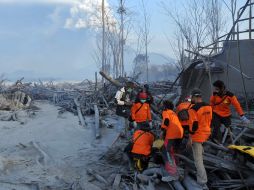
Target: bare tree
point(121, 10)
point(177, 45)
point(192, 24)
point(145, 35)
point(215, 21)
point(139, 47)
point(101, 53)
point(117, 36)
point(114, 41)
point(141, 60)
point(103, 37)
point(97, 55)
point(108, 52)
point(199, 23)
point(142, 42)
point(232, 7)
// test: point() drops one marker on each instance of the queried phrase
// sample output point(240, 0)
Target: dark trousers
point(216, 125)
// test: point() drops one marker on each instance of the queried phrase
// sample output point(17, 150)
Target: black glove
point(194, 127)
point(162, 134)
point(186, 128)
point(166, 122)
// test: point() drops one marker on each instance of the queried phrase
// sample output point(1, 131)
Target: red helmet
point(187, 98)
point(142, 95)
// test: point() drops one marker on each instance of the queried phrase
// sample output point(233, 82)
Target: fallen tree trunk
point(114, 82)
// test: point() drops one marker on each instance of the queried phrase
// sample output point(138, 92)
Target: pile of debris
point(79, 98)
point(227, 167)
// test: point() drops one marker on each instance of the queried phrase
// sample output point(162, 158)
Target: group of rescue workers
point(193, 119)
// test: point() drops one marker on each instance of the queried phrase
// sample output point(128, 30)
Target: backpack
point(183, 115)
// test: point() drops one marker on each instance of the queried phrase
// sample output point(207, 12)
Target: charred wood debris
point(226, 168)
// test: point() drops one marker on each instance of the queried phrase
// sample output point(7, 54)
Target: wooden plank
point(190, 184)
point(80, 116)
point(216, 146)
point(116, 184)
point(97, 122)
point(97, 176)
point(177, 185)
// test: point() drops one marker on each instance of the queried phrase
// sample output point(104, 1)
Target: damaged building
point(230, 59)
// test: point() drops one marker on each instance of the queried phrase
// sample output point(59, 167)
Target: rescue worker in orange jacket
point(172, 131)
point(141, 111)
point(220, 102)
point(140, 153)
point(200, 117)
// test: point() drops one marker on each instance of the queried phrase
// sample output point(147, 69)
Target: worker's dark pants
point(181, 144)
point(140, 124)
point(216, 125)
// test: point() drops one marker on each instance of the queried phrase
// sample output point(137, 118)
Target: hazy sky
point(35, 40)
point(50, 38)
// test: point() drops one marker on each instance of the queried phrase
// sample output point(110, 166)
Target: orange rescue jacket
point(143, 142)
point(141, 114)
point(221, 105)
point(182, 106)
point(202, 114)
point(174, 130)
